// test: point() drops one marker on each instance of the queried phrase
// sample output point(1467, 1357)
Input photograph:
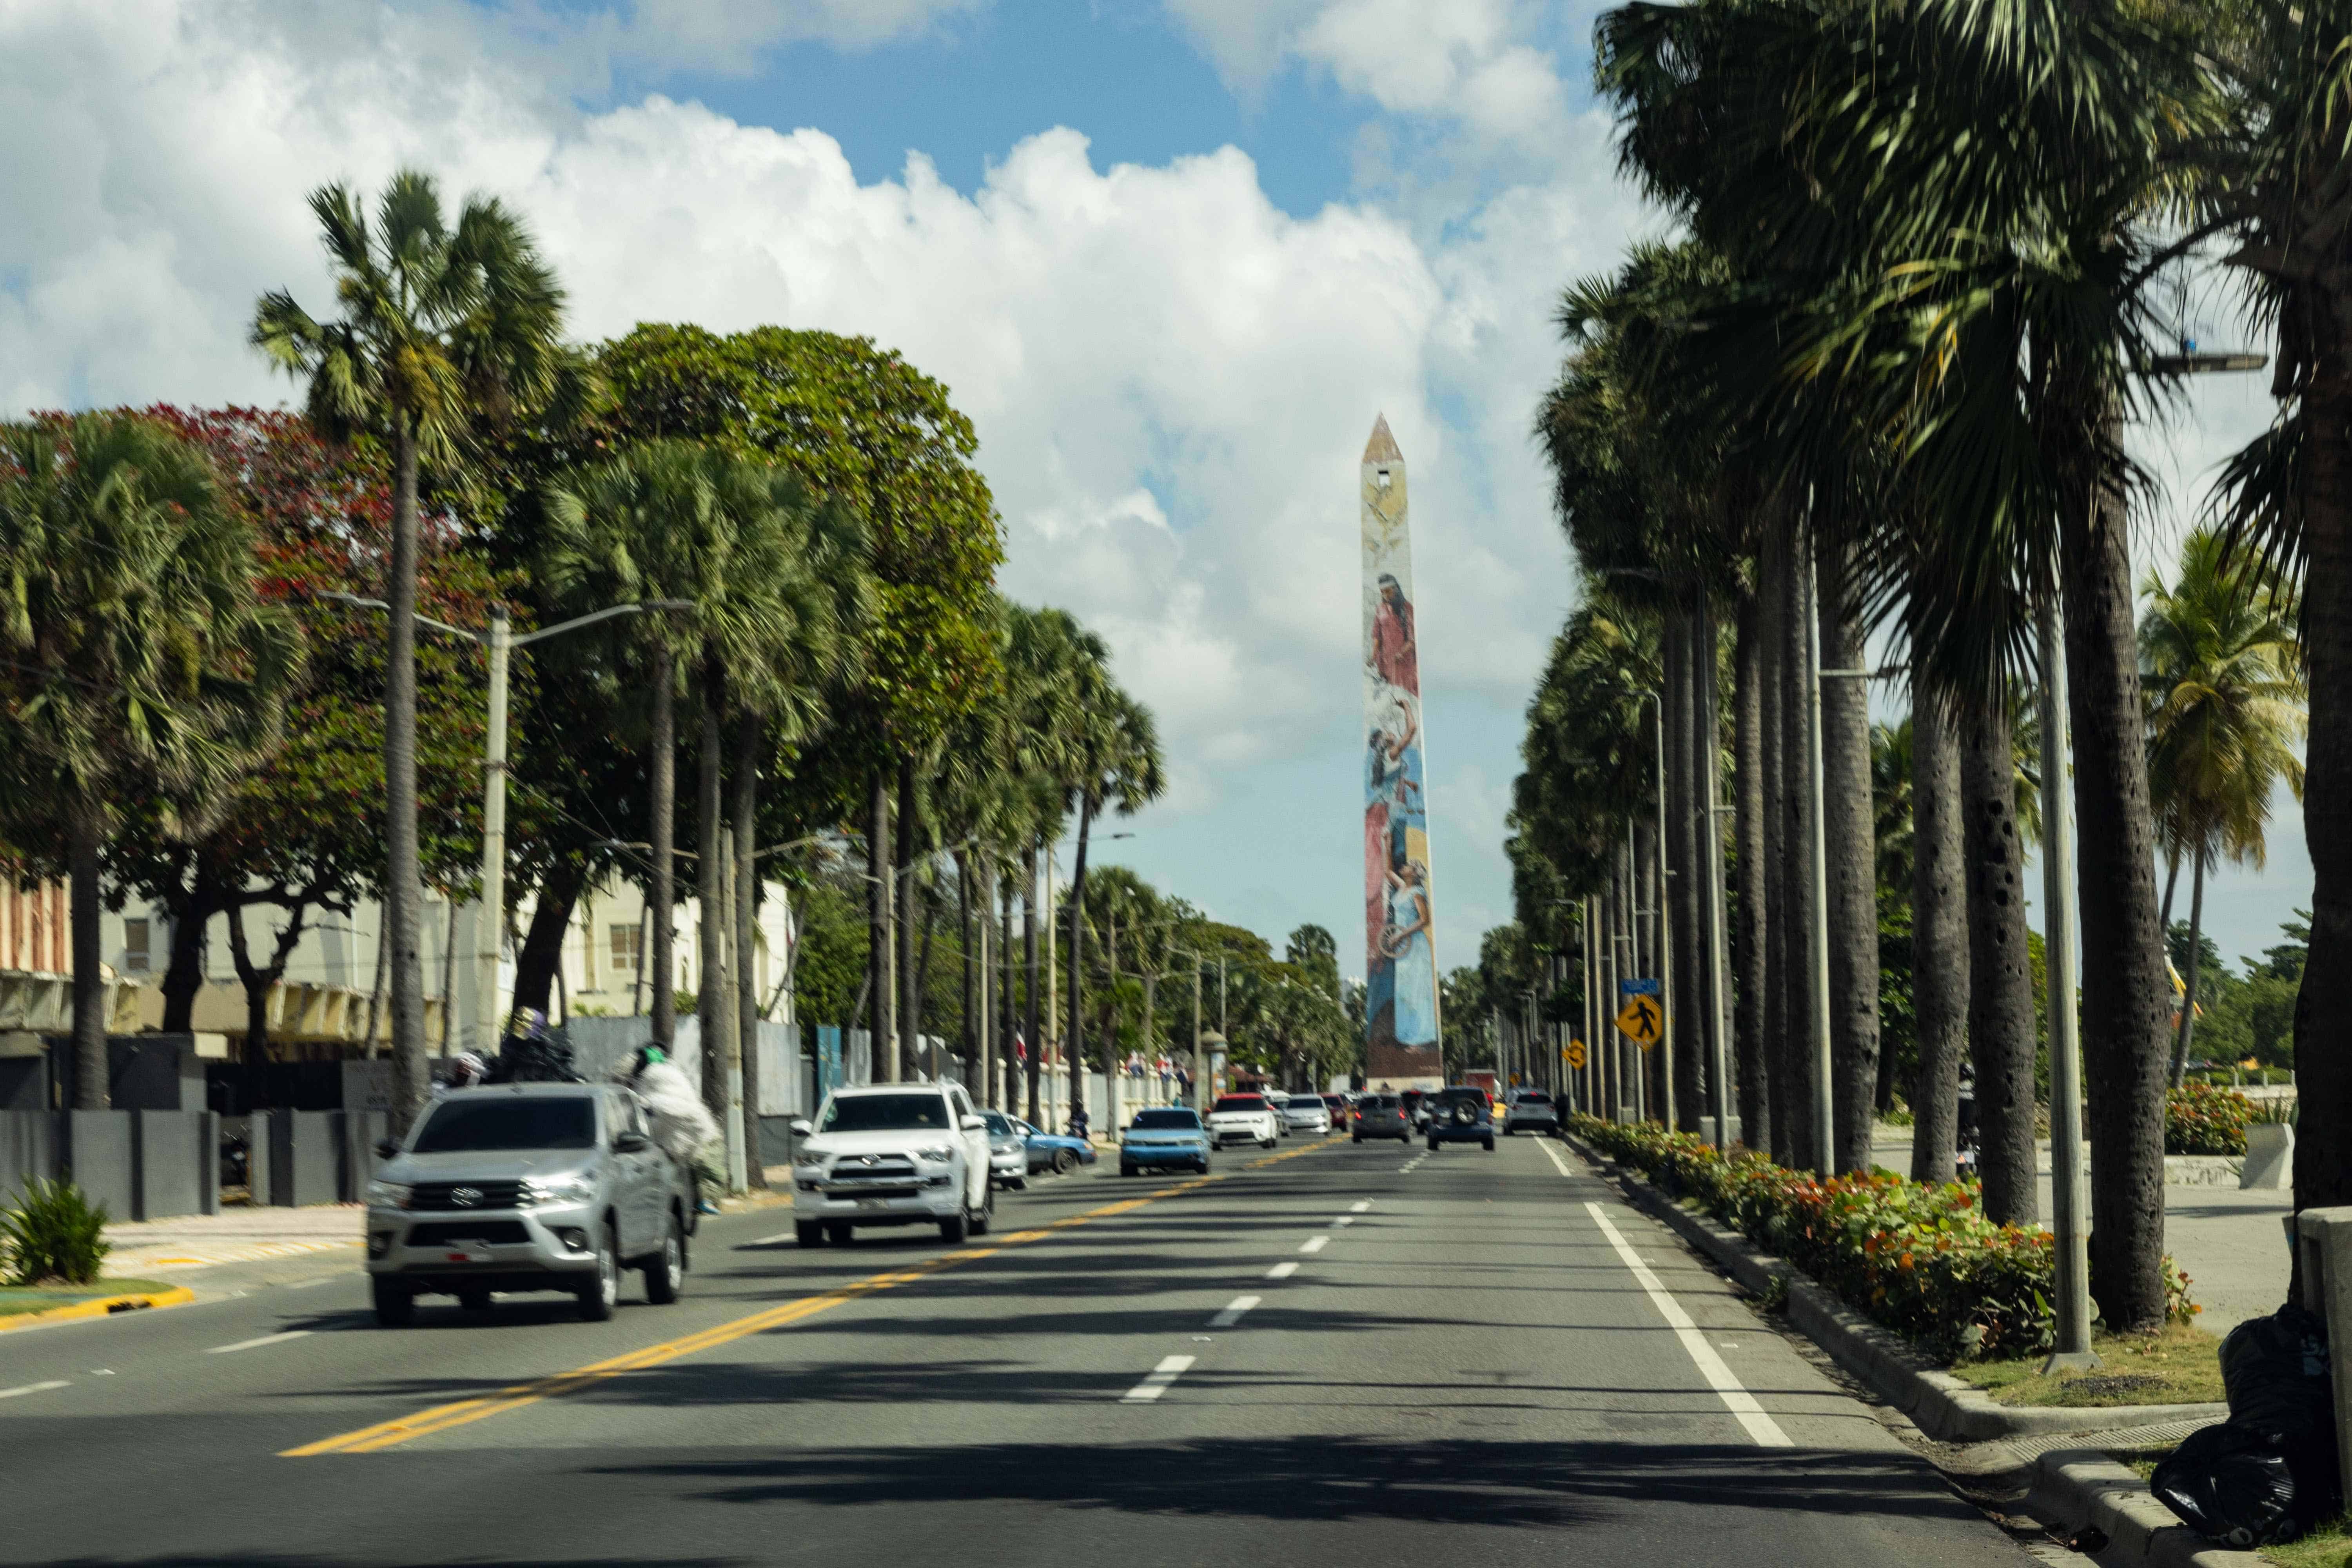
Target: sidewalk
point(240, 1235)
point(2230, 1243)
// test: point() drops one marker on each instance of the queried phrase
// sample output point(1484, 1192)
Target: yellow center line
point(442, 1417)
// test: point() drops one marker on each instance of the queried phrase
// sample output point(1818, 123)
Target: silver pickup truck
point(526, 1186)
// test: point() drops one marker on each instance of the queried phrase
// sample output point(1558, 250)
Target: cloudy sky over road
point(1172, 256)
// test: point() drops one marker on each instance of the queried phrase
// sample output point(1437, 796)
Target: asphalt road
point(1366, 1355)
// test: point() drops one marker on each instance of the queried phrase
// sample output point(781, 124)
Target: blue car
point(1055, 1151)
point(1460, 1115)
point(1171, 1136)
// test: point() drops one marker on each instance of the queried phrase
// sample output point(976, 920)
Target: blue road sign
point(1638, 988)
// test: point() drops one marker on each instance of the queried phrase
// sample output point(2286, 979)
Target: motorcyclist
point(1078, 1126)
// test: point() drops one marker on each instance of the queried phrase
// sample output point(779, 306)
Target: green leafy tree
point(136, 660)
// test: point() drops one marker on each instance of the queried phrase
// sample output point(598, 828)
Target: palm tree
point(2221, 667)
point(134, 658)
point(1118, 766)
point(442, 327)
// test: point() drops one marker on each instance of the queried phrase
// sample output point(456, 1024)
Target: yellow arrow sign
point(1640, 1020)
point(1572, 1054)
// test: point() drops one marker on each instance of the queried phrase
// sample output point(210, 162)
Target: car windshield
point(1165, 1119)
point(884, 1114)
point(1534, 1096)
point(1377, 1102)
point(1462, 1097)
point(1238, 1102)
point(566, 1122)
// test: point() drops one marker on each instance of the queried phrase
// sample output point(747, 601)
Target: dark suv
point(1462, 1115)
point(1382, 1116)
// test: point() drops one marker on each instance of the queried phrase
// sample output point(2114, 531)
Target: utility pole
point(1200, 1051)
point(2070, 1230)
point(489, 927)
point(1824, 1151)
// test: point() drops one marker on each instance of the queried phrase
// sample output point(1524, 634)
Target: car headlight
point(939, 1154)
point(388, 1194)
point(577, 1188)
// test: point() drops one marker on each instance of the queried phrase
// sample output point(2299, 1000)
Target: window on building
point(625, 946)
point(134, 946)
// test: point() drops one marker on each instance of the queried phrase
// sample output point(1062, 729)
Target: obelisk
point(1399, 946)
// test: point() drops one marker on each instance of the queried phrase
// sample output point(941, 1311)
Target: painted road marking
point(442, 1417)
point(1360, 1206)
point(1345, 1219)
point(1736, 1399)
point(1315, 1244)
point(1234, 1310)
point(256, 1344)
point(772, 1240)
point(34, 1388)
point(1283, 1270)
point(1170, 1368)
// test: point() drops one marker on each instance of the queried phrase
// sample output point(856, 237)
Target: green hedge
point(1919, 1258)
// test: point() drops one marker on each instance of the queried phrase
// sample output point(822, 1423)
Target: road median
point(104, 1306)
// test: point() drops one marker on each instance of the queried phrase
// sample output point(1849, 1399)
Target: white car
point(1280, 1099)
point(1306, 1113)
point(901, 1153)
point(1244, 1118)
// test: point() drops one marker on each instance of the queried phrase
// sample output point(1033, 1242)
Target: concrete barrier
point(305, 1157)
point(170, 1151)
point(29, 1150)
point(362, 1130)
point(102, 1156)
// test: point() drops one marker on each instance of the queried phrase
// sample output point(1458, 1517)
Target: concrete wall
point(101, 1154)
point(29, 1150)
point(305, 1157)
point(176, 1164)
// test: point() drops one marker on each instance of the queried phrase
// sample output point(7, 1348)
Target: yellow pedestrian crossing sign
point(1640, 1020)
point(1572, 1054)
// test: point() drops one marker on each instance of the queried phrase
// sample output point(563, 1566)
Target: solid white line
point(1234, 1310)
point(1170, 1368)
point(772, 1240)
point(1558, 1161)
point(1359, 1207)
point(34, 1388)
point(1315, 1244)
point(256, 1344)
point(1283, 1270)
point(1736, 1399)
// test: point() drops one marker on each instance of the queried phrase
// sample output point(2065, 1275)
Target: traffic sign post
point(1572, 1054)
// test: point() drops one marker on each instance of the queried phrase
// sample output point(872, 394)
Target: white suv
point(1244, 1118)
point(901, 1153)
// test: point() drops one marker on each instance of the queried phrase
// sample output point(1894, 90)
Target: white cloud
point(1466, 61)
point(1172, 378)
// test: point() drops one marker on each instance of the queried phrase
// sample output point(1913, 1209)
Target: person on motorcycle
point(1078, 1126)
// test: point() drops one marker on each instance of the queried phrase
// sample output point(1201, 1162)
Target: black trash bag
point(533, 1055)
point(2232, 1484)
point(2276, 1371)
point(2268, 1474)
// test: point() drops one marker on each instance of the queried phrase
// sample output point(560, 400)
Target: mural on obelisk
point(1400, 956)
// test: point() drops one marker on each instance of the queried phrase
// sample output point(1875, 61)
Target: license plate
point(872, 1203)
point(470, 1258)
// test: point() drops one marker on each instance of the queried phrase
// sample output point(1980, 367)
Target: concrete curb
point(2085, 1490)
point(1942, 1405)
point(100, 1307)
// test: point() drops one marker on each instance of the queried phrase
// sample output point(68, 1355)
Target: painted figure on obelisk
point(1400, 956)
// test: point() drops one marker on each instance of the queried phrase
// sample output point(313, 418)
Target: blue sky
point(1172, 256)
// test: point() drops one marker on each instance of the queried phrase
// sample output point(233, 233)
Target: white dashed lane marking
point(1170, 1368)
point(34, 1388)
point(1234, 1310)
point(1361, 1205)
point(256, 1344)
point(1283, 1270)
point(1315, 1244)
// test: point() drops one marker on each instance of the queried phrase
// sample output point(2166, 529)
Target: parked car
point(1381, 1116)
point(1306, 1113)
point(1008, 1151)
point(1244, 1118)
point(1460, 1115)
point(526, 1187)
point(1055, 1151)
point(892, 1155)
point(1170, 1135)
point(1531, 1110)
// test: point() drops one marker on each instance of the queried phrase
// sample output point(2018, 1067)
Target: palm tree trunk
point(904, 890)
point(2171, 877)
point(710, 892)
point(881, 938)
point(1792, 1095)
point(1939, 933)
point(1078, 1043)
point(92, 1072)
point(1005, 1067)
point(1034, 1046)
point(2186, 1034)
point(750, 734)
point(967, 995)
point(661, 913)
point(2001, 983)
point(404, 868)
point(1850, 835)
point(1685, 884)
point(2323, 1008)
point(2123, 989)
point(1750, 772)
